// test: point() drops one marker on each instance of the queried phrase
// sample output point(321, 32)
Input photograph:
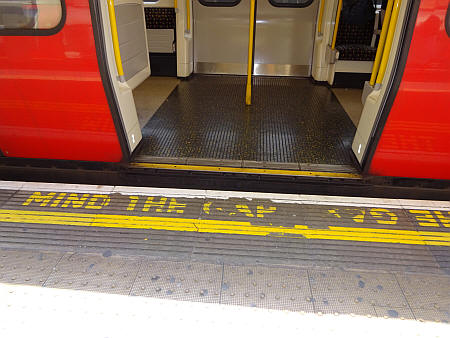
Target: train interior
point(185, 64)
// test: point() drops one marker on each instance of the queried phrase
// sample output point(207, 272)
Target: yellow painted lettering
point(334, 212)
point(425, 218)
point(445, 220)
point(133, 202)
point(176, 207)
point(75, 201)
point(37, 197)
point(58, 199)
point(380, 216)
point(94, 202)
point(359, 218)
point(151, 203)
point(207, 207)
point(260, 210)
point(356, 214)
point(244, 209)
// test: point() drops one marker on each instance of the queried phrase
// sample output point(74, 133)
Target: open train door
point(125, 53)
point(128, 43)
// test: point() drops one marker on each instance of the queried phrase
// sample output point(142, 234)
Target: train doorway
point(295, 121)
point(292, 124)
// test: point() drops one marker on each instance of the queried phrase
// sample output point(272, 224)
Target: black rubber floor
point(290, 120)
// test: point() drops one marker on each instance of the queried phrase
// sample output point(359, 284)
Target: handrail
point(115, 40)
point(175, 4)
point(188, 16)
point(248, 91)
point(319, 23)
point(381, 42)
point(336, 25)
point(389, 39)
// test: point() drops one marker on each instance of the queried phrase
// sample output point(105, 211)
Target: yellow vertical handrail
point(336, 24)
point(248, 91)
point(389, 39)
point(175, 4)
point(115, 39)
point(319, 23)
point(188, 15)
point(381, 42)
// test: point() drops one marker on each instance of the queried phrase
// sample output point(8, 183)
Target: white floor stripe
point(221, 194)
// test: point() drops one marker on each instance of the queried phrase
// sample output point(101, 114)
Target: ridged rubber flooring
point(291, 120)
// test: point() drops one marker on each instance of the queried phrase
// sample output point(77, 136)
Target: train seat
point(356, 30)
point(160, 25)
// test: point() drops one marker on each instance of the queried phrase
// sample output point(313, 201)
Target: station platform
point(308, 262)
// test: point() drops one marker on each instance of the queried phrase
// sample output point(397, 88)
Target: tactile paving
point(91, 272)
point(290, 120)
point(355, 291)
point(261, 286)
point(431, 315)
point(394, 312)
point(179, 280)
point(426, 291)
point(27, 267)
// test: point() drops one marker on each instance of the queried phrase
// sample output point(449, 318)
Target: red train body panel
point(53, 104)
point(415, 141)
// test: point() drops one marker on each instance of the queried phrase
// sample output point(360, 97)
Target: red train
point(75, 80)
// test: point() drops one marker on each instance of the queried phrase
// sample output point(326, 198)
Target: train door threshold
point(247, 167)
point(381, 264)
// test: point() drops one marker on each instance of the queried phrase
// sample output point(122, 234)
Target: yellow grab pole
point(319, 24)
point(336, 24)
point(175, 4)
point(115, 39)
point(381, 42)
point(248, 92)
point(389, 39)
point(188, 15)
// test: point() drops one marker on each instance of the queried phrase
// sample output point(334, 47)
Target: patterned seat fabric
point(160, 18)
point(356, 30)
point(356, 52)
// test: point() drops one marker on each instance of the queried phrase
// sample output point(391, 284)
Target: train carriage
point(334, 88)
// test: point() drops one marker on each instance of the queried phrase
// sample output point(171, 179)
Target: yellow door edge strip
point(244, 170)
point(380, 48)
point(115, 40)
point(336, 25)
point(188, 16)
point(319, 23)
point(435, 238)
point(388, 43)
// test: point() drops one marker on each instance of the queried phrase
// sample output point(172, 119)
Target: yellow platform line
point(226, 227)
point(244, 170)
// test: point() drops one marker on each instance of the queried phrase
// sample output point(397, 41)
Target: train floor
point(338, 262)
point(291, 124)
